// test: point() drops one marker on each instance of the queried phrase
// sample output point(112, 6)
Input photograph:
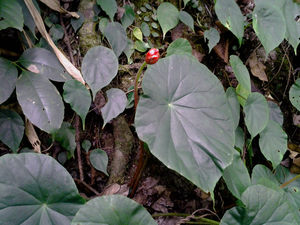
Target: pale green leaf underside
point(184, 118)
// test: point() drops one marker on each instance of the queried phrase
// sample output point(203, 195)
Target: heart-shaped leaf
point(185, 119)
point(273, 142)
point(11, 15)
point(234, 105)
point(115, 105)
point(240, 71)
point(65, 136)
point(179, 46)
point(40, 101)
point(113, 210)
point(44, 62)
point(36, 189)
point(168, 17)
point(109, 7)
point(268, 24)
point(256, 113)
point(128, 16)
point(77, 22)
point(291, 11)
point(242, 94)
point(187, 19)
point(116, 36)
point(76, 94)
point(213, 37)
point(231, 17)
point(263, 206)
point(8, 77)
point(236, 176)
point(99, 160)
point(11, 129)
point(99, 67)
point(294, 94)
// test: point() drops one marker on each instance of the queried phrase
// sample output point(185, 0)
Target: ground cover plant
point(149, 112)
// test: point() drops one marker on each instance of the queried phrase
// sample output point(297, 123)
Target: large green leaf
point(291, 11)
point(113, 210)
point(40, 101)
point(115, 105)
point(294, 94)
point(44, 62)
point(180, 46)
point(261, 173)
point(76, 94)
point(256, 113)
point(236, 176)
point(116, 36)
point(99, 67)
point(8, 77)
point(11, 15)
point(273, 142)
point(263, 205)
point(185, 119)
point(108, 6)
point(269, 24)
point(187, 19)
point(168, 17)
point(231, 17)
point(213, 37)
point(36, 189)
point(11, 129)
point(65, 136)
point(240, 71)
point(128, 16)
point(234, 105)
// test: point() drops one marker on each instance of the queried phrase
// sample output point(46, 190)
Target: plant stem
point(136, 82)
point(201, 220)
point(290, 181)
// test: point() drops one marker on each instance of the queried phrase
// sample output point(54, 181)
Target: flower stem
point(136, 82)
point(290, 181)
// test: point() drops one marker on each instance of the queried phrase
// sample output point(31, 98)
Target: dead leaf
point(256, 67)
point(72, 70)
point(55, 5)
point(221, 49)
point(32, 136)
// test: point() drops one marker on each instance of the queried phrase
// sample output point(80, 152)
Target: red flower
point(152, 56)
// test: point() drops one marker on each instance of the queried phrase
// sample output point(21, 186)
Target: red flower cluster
point(152, 56)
